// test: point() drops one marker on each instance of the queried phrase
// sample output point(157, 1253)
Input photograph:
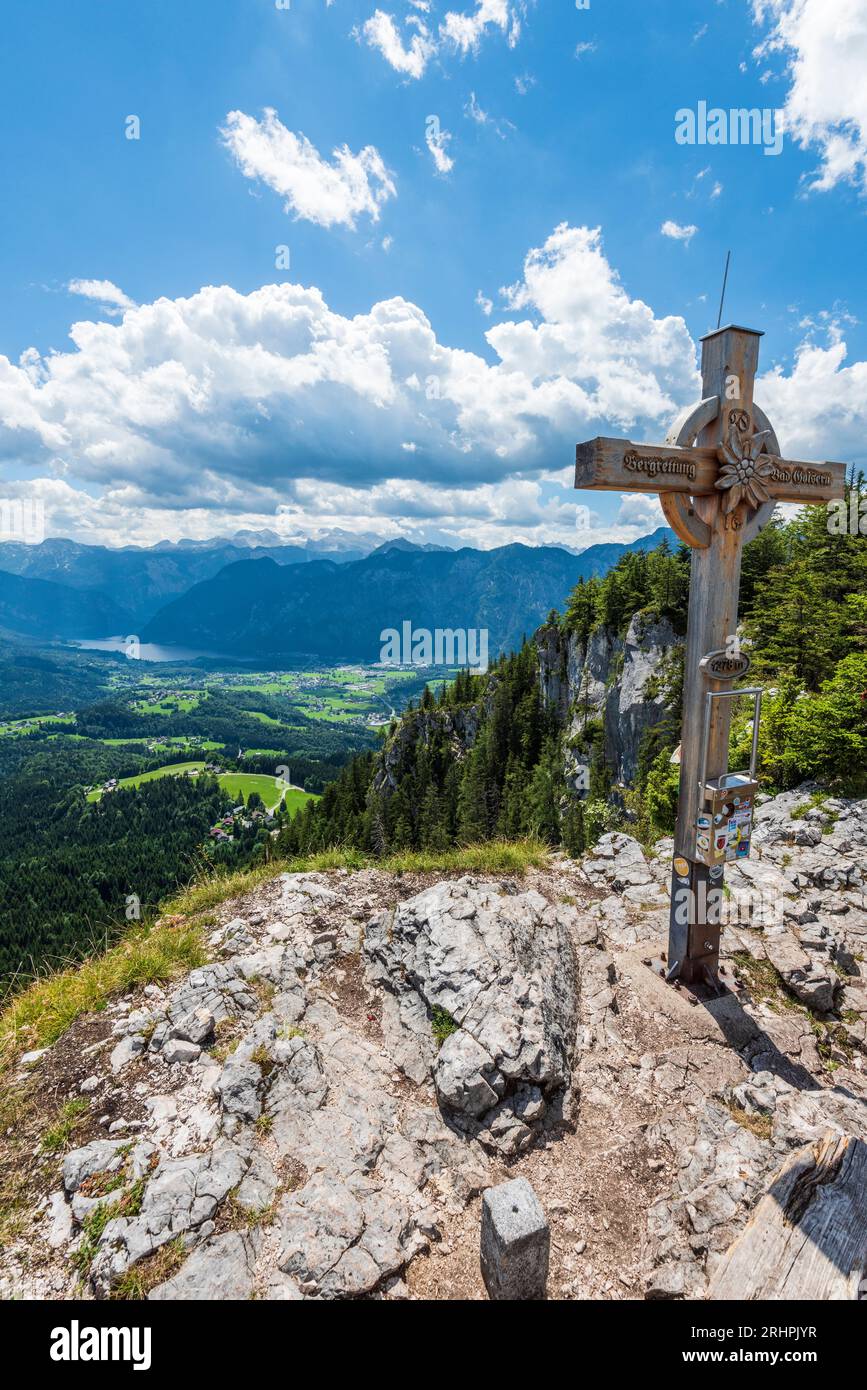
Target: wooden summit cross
point(719, 475)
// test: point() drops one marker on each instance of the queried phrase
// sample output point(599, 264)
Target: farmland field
point(239, 785)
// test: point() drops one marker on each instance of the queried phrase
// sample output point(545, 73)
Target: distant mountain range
point(39, 608)
point(143, 579)
point(257, 608)
point(243, 598)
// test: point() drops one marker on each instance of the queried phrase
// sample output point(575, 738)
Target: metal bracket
point(756, 692)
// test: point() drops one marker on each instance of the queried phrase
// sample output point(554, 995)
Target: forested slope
point(495, 755)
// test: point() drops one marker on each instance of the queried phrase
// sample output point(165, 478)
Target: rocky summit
point(316, 1111)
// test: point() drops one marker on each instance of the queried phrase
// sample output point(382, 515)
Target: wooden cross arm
point(618, 465)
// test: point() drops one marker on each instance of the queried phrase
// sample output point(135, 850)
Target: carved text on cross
point(740, 469)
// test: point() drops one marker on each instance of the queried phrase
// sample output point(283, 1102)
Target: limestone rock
point(221, 1268)
point(802, 973)
point(126, 1050)
point(238, 1087)
point(179, 1050)
point(503, 968)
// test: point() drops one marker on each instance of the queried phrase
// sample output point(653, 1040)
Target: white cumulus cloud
point(678, 232)
point(220, 396)
point(330, 194)
point(466, 30)
point(410, 58)
point(824, 46)
point(112, 299)
point(196, 415)
point(461, 32)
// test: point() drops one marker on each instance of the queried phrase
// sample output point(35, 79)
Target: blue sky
point(512, 252)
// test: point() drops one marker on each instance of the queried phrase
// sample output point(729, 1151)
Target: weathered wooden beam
point(807, 1238)
point(619, 465)
point(791, 481)
point(693, 945)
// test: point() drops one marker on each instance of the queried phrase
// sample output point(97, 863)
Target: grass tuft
point(15, 1212)
point(489, 857)
point(443, 1025)
point(94, 1224)
point(147, 955)
point(760, 1125)
point(57, 1137)
point(137, 1282)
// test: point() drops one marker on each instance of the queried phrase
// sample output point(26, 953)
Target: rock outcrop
point(497, 967)
point(314, 1112)
point(608, 678)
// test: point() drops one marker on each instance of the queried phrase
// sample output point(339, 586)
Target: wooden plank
point(807, 1238)
point(620, 465)
point(806, 482)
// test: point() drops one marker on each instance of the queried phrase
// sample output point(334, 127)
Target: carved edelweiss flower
point(744, 467)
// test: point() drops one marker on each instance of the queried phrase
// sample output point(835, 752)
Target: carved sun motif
point(744, 467)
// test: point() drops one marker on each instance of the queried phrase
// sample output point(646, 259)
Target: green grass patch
point(443, 1025)
point(294, 799)
point(148, 954)
point(57, 1137)
point(94, 1224)
point(238, 785)
point(170, 770)
point(798, 812)
point(137, 1282)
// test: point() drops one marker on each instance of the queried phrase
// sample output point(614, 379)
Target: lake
point(146, 651)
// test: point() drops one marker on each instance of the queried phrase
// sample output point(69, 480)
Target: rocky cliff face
point(608, 681)
point(460, 727)
point(314, 1112)
point(606, 678)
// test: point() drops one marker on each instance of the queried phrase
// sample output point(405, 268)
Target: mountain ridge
point(340, 610)
point(43, 609)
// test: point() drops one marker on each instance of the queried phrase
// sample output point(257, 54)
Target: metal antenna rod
point(723, 295)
